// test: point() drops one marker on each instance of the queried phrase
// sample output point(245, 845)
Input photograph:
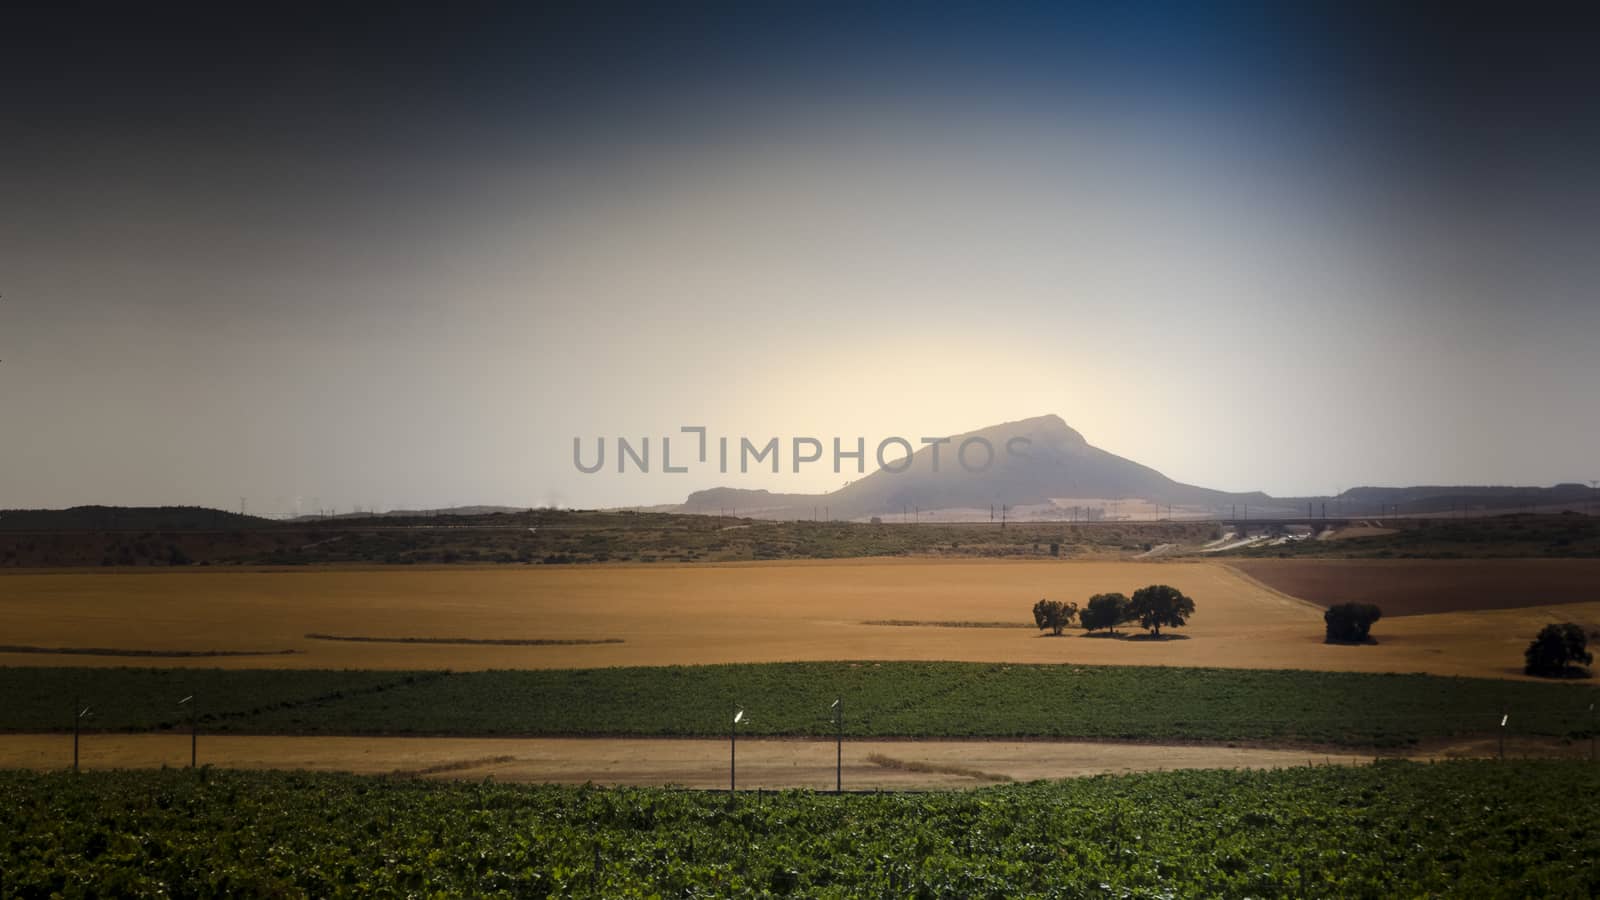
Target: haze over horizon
point(404, 260)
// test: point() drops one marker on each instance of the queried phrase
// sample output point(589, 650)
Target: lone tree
point(1054, 615)
point(1104, 611)
point(1349, 623)
point(1159, 605)
point(1559, 651)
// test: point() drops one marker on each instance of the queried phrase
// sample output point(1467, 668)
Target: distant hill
point(1062, 477)
point(126, 518)
point(1053, 471)
point(1442, 500)
point(419, 514)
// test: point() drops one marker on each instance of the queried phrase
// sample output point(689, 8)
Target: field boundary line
point(1261, 585)
point(463, 641)
point(134, 652)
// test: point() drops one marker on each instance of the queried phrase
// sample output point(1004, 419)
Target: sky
point(297, 260)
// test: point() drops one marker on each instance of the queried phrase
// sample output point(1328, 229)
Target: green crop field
point(1469, 829)
point(881, 699)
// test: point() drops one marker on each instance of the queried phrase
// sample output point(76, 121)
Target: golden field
point(692, 614)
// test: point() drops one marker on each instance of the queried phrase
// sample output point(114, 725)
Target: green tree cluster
point(1153, 607)
point(1559, 651)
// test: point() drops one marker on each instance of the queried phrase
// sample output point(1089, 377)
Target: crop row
point(1471, 829)
point(910, 699)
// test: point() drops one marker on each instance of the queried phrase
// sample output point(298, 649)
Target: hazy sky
point(405, 261)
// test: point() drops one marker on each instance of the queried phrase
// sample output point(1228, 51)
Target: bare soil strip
point(1414, 587)
point(495, 642)
point(761, 763)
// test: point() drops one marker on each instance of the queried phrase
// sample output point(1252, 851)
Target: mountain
point(1040, 468)
point(1057, 475)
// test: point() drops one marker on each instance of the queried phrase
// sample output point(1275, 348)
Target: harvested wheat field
point(694, 614)
point(1410, 587)
point(768, 764)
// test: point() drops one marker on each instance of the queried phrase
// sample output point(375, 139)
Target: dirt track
point(697, 763)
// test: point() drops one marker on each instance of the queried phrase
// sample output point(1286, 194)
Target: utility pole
point(838, 766)
point(80, 712)
point(733, 748)
point(194, 726)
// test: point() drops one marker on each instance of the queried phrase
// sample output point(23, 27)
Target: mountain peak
point(1048, 429)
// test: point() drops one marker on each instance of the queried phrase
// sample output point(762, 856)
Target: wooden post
point(838, 769)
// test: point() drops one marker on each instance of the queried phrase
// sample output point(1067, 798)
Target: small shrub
point(1349, 623)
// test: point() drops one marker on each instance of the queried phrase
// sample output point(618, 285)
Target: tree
point(1558, 651)
point(1054, 615)
point(1159, 605)
point(1105, 611)
point(1350, 622)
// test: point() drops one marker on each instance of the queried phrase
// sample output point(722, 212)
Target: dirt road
point(764, 763)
